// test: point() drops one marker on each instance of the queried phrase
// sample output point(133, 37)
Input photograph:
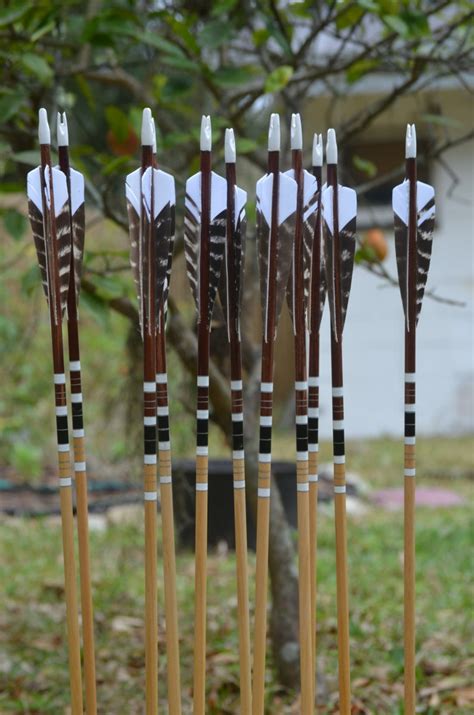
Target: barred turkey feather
point(38, 229)
point(134, 229)
point(347, 245)
point(234, 292)
point(308, 228)
point(217, 233)
point(78, 231)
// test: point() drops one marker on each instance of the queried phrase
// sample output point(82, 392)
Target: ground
point(33, 660)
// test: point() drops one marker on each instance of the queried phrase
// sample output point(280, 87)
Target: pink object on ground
point(392, 499)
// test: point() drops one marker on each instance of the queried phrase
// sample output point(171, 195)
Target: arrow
point(230, 292)
point(339, 213)
point(150, 197)
point(414, 211)
point(316, 306)
point(276, 212)
point(164, 232)
point(298, 295)
point(48, 209)
point(75, 188)
point(204, 242)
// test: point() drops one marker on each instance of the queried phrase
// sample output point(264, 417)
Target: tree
point(104, 61)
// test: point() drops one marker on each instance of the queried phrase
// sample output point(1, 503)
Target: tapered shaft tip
point(154, 134)
point(296, 132)
point(206, 133)
point(147, 127)
point(318, 150)
point(410, 142)
point(331, 147)
point(274, 133)
point(44, 133)
point(62, 130)
point(230, 152)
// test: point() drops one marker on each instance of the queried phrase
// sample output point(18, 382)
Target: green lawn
point(33, 660)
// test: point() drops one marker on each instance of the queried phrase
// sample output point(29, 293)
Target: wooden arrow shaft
point(64, 461)
point(80, 473)
point(410, 457)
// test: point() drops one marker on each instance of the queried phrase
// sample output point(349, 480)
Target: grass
point(33, 670)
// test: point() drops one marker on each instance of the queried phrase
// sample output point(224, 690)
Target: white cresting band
point(339, 459)
point(238, 454)
point(410, 440)
point(162, 411)
point(313, 412)
point(313, 381)
point(76, 397)
point(237, 417)
point(202, 414)
point(301, 419)
point(165, 479)
point(63, 447)
point(410, 376)
point(338, 392)
point(239, 483)
point(149, 459)
point(65, 481)
point(79, 466)
point(236, 385)
point(410, 408)
point(313, 447)
point(313, 478)
point(161, 378)
point(149, 387)
point(264, 458)
point(164, 446)
point(302, 487)
point(149, 421)
point(202, 451)
point(75, 365)
point(338, 424)
point(150, 496)
point(203, 380)
point(61, 411)
point(264, 492)
point(201, 487)
point(410, 472)
point(266, 420)
point(78, 433)
point(266, 387)
point(301, 385)
point(302, 456)
point(59, 378)
point(339, 490)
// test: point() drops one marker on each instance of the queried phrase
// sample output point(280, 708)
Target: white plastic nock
point(318, 150)
point(147, 127)
point(230, 152)
point(44, 135)
point(206, 133)
point(331, 147)
point(154, 134)
point(410, 142)
point(296, 132)
point(274, 133)
point(62, 130)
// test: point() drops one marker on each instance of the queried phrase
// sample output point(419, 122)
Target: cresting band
point(301, 419)
point(313, 447)
point(76, 396)
point(202, 451)
point(75, 366)
point(338, 392)
point(63, 447)
point(301, 385)
point(78, 433)
point(162, 411)
point(237, 417)
point(410, 408)
point(265, 458)
point(202, 414)
point(59, 378)
point(264, 492)
point(312, 478)
point(165, 479)
point(161, 378)
point(339, 490)
point(266, 420)
point(65, 481)
point(339, 459)
point(164, 446)
point(313, 381)
point(238, 454)
point(149, 387)
point(410, 376)
point(410, 472)
point(236, 385)
point(338, 424)
point(200, 487)
point(410, 440)
point(239, 483)
point(302, 487)
point(266, 387)
point(61, 411)
point(203, 380)
point(313, 412)
point(79, 466)
point(302, 456)
point(150, 496)
point(149, 421)
point(149, 459)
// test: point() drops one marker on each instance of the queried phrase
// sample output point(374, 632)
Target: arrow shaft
point(410, 456)
point(80, 474)
point(313, 407)
point(64, 463)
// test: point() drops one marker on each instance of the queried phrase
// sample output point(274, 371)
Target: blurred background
point(365, 67)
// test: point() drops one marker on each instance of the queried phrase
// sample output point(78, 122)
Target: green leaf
point(30, 158)
point(221, 7)
point(97, 308)
point(10, 15)
point(15, 223)
point(396, 24)
point(260, 36)
point(364, 165)
point(232, 76)
point(215, 34)
point(118, 122)
point(359, 69)
point(349, 17)
point(441, 120)
point(278, 79)
point(10, 105)
point(244, 146)
point(37, 66)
